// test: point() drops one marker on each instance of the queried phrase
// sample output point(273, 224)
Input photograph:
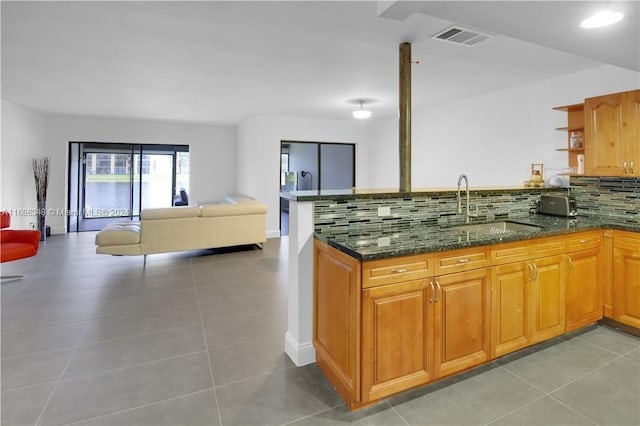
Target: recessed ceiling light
point(602, 19)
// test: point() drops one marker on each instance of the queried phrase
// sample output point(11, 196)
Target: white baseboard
point(57, 230)
point(273, 234)
point(300, 354)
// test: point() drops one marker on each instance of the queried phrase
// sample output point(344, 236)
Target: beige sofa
point(235, 220)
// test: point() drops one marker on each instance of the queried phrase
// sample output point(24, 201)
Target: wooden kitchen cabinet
point(528, 293)
point(336, 320)
point(420, 330)
point(385, 326)
point(397, 324)
point(462, 327)
point(585, 280)
point(626, 278)
point(612, 134)
point(547, 298)
point(510, 308)
point(528, 303)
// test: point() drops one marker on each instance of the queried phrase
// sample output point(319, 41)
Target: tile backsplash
point(440, 208)
point(609, 197)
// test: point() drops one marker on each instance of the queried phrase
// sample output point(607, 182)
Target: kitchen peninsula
point(312, 211)
point(460, 298)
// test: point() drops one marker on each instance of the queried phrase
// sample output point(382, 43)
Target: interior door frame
point(318, 165)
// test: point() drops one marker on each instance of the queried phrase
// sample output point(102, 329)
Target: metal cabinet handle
point(624, 166)
point(530, 271)
point(463, 260)
point(399, 270)
point(439, 295)
point(433, 291)
point(533, 271)
point(584, 241)
point(570, 264)
point(631, 167)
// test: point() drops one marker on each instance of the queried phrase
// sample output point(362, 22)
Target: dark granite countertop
point(389, 242)
point(357, 193)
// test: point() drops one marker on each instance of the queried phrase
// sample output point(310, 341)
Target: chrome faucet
point(468, 214)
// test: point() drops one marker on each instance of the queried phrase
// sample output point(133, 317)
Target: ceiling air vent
point(464, 36)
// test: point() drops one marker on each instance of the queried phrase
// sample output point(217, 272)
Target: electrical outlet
point(384, 241)
point(384, 211)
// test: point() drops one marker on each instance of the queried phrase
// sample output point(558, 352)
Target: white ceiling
point(222, 62)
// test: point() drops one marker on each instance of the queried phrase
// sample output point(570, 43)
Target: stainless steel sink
point(496, 228)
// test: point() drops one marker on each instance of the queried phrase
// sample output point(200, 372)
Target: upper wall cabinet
point(612, 134)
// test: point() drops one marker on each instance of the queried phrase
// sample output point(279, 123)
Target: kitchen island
point(399, 307)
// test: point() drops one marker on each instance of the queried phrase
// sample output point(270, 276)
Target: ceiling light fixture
point(361, 113)
point(602, 19)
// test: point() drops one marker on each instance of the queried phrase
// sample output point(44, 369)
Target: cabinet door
point(631, 126)
point(462, 333)
point(547, 298)
point(584, 288)
point(336, 320)
point(396, 350)
point(626, 286)
point(509, 308)
point(604, 145)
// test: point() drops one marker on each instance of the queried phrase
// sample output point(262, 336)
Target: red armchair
point(16, 243)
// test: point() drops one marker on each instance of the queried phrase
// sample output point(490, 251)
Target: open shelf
point(570, 149)
point(575, 123)
point(570, 129)
point(570, 108)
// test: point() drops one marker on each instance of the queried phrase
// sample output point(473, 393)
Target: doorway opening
point(111, 182)
point(314, 166)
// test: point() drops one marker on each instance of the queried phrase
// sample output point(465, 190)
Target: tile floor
point(197, 339)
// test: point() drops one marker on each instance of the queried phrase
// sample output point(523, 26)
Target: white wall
point(23, 138)
point(212, 152)
point(492, 138)
point(259, 153)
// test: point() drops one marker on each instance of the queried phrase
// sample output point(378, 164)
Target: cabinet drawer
point(525, 250)
point(626, 240)
point(584, 240)
point(395, 270)
point(461, 260)
point(509, 252)
point(548, 246)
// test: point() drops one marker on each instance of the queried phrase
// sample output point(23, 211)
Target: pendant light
point(361, 113)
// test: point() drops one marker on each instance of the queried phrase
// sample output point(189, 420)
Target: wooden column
point(405, 117)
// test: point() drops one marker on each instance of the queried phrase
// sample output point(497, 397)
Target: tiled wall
point(424, 210)
point(615, 198)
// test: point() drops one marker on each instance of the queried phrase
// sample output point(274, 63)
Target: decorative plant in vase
point(41, 176)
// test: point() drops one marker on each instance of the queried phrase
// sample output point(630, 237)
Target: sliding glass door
point(107, 185)
point(314, 166)
point(110, 181)
point(157, 180)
